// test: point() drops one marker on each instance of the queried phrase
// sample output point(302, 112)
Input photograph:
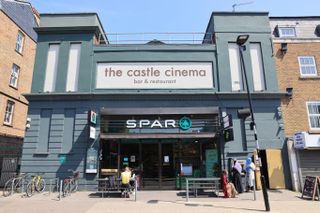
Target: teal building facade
point(158, 108)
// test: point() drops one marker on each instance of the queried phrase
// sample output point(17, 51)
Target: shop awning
point(155, 136)
point(160, 111)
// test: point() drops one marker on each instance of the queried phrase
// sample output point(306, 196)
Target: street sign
point(92, 117)
point(227, 121)
point(92, 132)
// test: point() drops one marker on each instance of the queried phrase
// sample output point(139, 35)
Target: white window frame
point(311, 65)
point(20, 41)
point(257, 67)
point(51, 68)
point(14, 77)
point(281, 35)
point(315, 114)
point(235, 67)
point(73, 67)
point(9, 113)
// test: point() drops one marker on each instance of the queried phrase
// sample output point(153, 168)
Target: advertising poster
point(92, 161)
point(211, 161)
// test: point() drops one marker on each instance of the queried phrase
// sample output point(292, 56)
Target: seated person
point(125, 181)
point(227, 187)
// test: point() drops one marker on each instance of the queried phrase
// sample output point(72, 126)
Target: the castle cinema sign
point(180, 75)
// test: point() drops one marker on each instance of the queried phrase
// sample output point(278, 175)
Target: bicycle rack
point(53, 183)
point(23, 182)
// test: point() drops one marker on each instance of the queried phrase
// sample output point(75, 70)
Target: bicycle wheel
point(7, 190)
point(40, 185)
point(74, 186)
point(30, 189)
point(66, 188)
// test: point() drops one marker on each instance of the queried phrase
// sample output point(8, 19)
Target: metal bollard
point(60, 189)
point(187, 189)
point(254, 186)
point(135, 189)
point(50, 181)
point(12, 186)
point(22, 185)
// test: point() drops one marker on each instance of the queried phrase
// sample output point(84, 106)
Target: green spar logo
point(185, 123)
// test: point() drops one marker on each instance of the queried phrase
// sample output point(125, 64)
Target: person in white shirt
point(249, 168)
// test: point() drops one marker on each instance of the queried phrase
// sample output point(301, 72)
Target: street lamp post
point(241, 40)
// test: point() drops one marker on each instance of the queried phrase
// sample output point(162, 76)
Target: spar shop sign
point(184, 123)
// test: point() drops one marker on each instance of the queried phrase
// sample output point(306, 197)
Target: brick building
point(296, 49)
point(18, 45)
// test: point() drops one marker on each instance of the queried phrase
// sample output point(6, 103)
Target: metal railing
point(157, 38)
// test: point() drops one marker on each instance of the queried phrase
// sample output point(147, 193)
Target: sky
point(132, 16)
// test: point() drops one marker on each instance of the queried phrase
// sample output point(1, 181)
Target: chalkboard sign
point(310, 187)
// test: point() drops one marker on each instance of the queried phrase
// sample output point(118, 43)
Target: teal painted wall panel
point(68, 129)
point(85, 66)
point(40, 67)
point(241, 22)
point(86, 40)
point(69, 20)
point(268, 61)
point(63, 59)
point(44, 132)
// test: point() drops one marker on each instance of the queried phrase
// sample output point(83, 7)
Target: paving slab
point(281, 201)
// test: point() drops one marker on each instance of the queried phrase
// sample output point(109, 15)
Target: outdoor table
point(202, 183)
point(104, 185)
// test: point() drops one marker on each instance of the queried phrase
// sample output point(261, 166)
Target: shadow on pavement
point(204, 205)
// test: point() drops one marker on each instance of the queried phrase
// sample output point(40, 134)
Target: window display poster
point(166, 159)
point(92, 161)
point(211, 161)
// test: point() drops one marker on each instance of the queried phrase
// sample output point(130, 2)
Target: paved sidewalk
point(158, 202)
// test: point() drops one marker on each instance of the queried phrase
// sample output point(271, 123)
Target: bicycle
point(37, 183)
point(71, 184)
point(14, 184)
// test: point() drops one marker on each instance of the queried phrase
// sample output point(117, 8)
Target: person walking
point(236, 172)
point(249, 168)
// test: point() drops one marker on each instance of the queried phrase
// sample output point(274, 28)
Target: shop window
point(314, 115)
point(14, 76)
point(73, 67)
point(235, 67)
point(9, 113)
point(19, 42)
point(307, 66)
point(287, 31)
point(257, 67)
point(51, 68)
